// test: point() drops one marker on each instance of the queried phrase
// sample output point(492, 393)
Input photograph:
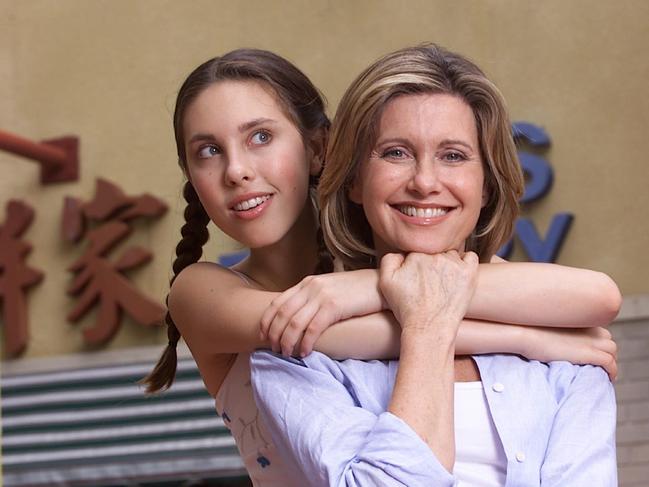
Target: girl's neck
point(283, 264)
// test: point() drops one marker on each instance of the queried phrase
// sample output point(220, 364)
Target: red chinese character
point(99, 281)
point(15, 276)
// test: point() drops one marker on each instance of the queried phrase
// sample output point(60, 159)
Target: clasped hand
point(429, 292)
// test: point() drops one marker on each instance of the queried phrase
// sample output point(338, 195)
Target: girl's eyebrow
point(253, 123)
point(201, 138)
point(242, 128)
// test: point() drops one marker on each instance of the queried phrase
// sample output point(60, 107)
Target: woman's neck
point(283, 264)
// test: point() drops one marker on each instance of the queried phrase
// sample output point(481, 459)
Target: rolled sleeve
point(328, 439)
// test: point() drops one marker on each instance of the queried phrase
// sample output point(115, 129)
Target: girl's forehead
point(228, 104)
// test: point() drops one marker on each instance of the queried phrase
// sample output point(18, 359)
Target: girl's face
point(422, 186)
point(247, 161)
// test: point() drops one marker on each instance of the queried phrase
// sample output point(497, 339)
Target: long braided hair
point(305, 107)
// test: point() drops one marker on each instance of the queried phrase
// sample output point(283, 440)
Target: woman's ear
point(485, 195)
point(355, 192)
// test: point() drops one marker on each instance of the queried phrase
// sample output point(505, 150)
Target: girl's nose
point(239, 170)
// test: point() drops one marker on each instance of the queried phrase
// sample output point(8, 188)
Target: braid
point(190, 248)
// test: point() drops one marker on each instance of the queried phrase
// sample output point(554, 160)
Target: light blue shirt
point(328, 420)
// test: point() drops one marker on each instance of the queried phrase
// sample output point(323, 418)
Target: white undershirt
point(480, 459)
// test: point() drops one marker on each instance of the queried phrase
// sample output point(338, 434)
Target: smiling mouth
point(251, 203)
point(419, 212)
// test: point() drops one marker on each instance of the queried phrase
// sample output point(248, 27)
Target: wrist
point(429, 338)
point(521, 339)
point(378, 301)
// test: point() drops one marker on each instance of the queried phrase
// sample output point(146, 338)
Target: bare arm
point(581, 346)
point(217, 312)
point(544, 295)
point(536, 294)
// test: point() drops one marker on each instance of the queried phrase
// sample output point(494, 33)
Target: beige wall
point(108, 72)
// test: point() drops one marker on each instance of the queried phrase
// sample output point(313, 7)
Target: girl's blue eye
point(260, 138)
point(208, 151)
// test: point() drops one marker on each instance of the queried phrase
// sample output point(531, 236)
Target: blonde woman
point(422, 176)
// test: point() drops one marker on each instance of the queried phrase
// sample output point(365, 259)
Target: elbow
point(610, 300)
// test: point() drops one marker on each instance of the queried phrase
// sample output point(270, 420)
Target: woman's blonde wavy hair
point(415, 70)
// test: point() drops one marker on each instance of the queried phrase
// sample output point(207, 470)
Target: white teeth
point(251, 203)
point(422, 212)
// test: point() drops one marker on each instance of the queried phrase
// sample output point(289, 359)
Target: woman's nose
point(425, 178)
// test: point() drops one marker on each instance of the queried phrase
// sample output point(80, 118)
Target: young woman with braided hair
point(250, 133)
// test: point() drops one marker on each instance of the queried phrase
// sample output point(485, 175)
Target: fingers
point(608, 362)
point(602, 350)
point(471, 258)
point(288, 302)
point(390, 263)
point(285, 335)
point(609, 351)
point(320, 322)
point(305, 327)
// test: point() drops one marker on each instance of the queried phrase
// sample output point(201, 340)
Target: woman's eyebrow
point(456, 142)
point(392, 140)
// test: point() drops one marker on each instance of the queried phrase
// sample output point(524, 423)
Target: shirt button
point(498, 387)
point(520, 457)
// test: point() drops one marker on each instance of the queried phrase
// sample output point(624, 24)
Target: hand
point(594, 346)
point(422, 290)
point(295, 320)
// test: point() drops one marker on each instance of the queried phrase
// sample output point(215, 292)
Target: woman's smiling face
point(422, 185)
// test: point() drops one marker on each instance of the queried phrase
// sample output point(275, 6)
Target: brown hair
point(423, 69)
point(305, 107)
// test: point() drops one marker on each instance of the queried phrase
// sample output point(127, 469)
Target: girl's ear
point(315, 166)
point(316, 149)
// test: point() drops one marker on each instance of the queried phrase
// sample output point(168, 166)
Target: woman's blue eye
point(260, 137)
point(394, 153)
point(454, 157)
point(208, 151)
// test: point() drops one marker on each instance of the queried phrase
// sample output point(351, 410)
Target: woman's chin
point(428, 247)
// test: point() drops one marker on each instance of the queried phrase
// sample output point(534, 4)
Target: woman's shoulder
point(558, 378)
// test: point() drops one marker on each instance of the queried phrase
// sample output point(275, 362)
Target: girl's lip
point(245, 197)
point(255, 212)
